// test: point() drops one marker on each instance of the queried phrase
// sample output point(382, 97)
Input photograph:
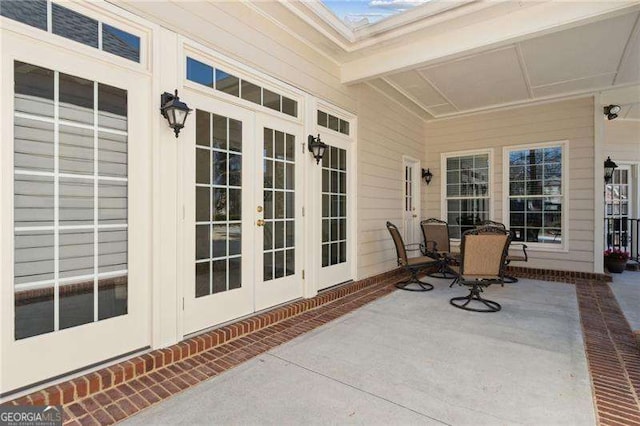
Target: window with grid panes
point(70, 200)
point(536, 194)
point(218, 259)
point(334, 206)
point(467, 192)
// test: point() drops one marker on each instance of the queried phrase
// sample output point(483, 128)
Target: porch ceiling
point(475, 55)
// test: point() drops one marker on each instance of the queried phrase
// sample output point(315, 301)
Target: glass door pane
point(279, 212)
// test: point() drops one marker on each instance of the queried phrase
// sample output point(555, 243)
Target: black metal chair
point(437, 245)
point(524, 257)
point(412, 265)
point(483, 251)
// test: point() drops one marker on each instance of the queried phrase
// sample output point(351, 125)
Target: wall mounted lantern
point(609, 167)
point(317, 148)
point(611, 111)
point(174, 110)
point(427, 175)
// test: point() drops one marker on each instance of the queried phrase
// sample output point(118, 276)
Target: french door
point(278, 209)
point(218, 227)
point(411, 201)
point(75, 217)
point(335, 200)
point(243, 222)
point(619, 206)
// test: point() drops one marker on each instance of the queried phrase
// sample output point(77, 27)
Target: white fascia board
point(532, 20)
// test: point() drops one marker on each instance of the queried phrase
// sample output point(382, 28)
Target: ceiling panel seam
point(627, 48)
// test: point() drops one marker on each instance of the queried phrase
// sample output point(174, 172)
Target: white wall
point(622, 140)
point(571, 120)
point(386, 132)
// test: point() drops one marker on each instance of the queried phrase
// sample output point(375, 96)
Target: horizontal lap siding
point(622, 140)
point(567, 120)
point(240, 32)
point(386, 132)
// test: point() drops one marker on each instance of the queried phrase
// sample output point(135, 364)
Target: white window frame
point(506, 211)
point(443, 182)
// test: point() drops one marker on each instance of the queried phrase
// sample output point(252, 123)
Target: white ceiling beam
point(533, 19)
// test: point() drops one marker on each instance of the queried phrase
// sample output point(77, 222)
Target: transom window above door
point(468, 191)
point(223, 81)
point(73, 26)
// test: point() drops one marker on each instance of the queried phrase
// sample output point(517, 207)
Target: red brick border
point(612, 353)
point(113, 393)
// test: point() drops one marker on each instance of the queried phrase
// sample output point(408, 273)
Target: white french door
point(619, 208)
point(219, 248)
point(75, 216)
point(411, 200)
point(243, 213)
point(278, 212)
point(335, 201)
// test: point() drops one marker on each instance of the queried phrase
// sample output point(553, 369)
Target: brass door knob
point(259, 209)
point(260, 222)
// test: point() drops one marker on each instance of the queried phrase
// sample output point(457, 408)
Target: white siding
point(622, 140)
point(568, 120)
point(386, 132)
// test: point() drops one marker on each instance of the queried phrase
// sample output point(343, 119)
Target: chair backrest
point(436, 230)
point(492, 223)
point(397, 240)
point(483, 251)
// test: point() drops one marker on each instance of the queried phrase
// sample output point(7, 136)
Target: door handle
point(260, 222)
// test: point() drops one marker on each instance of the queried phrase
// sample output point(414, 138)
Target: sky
point(372, 10)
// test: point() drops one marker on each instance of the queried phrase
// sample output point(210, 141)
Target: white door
point(243, 213)
point(619, 209)
point(278, 211)
point(75, 215)
point(411, 201)
point(335, 202)
point(219, 248)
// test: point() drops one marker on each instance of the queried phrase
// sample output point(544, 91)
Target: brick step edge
point(106, 378)
point(557, 275)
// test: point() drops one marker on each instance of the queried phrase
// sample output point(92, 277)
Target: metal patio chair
point(437, 245)
point(524, 257)
point(412, 265)
point(482, 263)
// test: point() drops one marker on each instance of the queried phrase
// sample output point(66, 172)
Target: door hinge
point(183, 303)
point(303, 212)
point(303, 274)
point(302, 147)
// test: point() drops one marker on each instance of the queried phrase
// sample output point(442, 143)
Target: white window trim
point(217, 60)
point(443, 181)
point(103, 12)
point(542, 247)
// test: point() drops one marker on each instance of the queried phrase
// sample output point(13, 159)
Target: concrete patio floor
point(626, 288)
point(411, 358)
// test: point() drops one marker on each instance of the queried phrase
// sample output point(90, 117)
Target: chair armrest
point(413, 247)
point(524, 249)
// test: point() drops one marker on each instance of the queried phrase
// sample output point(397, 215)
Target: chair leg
point(474, 295)
point(443, 271)
point(420, 285)
point(509, 279)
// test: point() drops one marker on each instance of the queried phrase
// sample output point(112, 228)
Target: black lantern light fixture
point(316, 147)
point(611, 111)
point(609, 167)
point(174, 110)
point(427, 175)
